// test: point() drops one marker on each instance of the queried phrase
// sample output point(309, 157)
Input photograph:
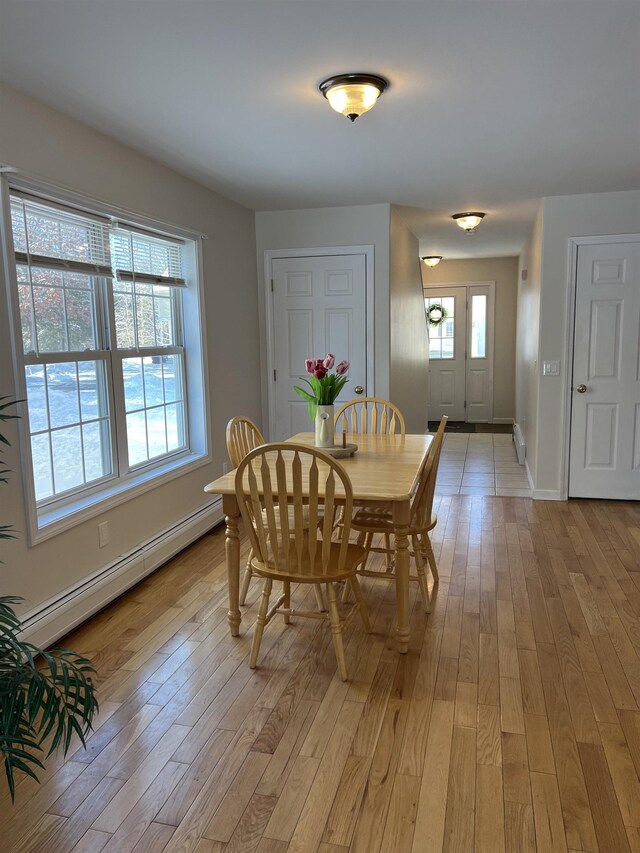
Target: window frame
point(51, 516)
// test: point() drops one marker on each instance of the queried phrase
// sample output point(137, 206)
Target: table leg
point(232, 551)
point(402, 588)
point(401, 531)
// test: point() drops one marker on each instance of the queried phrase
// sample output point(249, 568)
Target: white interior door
point(318, 306)
point(447, 354)
point(604, 458)
point(461, 353)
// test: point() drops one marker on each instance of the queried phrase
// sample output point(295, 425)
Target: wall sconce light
point(353, 94)
point(432, 260)
point(468, 221)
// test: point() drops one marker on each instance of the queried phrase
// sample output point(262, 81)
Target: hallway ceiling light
point(353, 94)
point(432, 260)
point(468, 221)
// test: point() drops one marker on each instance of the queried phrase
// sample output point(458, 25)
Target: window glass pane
point(435, 349)
point(95, 437)
point(449, 303)
point(164, 321)
point(62, 390)
point(175, 427)
point(156, 432)
point(172, 378)
point(80, 313)
point(67, 403)
point(447, 347)
point(41, 458)
point(125, 324)
point(145, 318)
point(63, 305)
point(36, 398)
point(137, 438)
point(478, 325)
point(132, 378)
point(153, 386)
point(50, 319)
point(68, 470)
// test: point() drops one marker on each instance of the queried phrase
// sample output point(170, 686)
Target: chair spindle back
point(242, 436)
point(284, 491)
point(422, 504)
point(370, 415)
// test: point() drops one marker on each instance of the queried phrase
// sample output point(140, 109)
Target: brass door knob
point(581, 388)
point(359, 389)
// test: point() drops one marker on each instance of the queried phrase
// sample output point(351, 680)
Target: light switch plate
point(551, 368)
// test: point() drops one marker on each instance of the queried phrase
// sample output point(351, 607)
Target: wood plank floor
point(512, 725)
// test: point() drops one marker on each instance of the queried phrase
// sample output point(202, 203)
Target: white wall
point(504, 272)
point(332, 226)
point(41, 141)
point(409, 342)
point(564, 217)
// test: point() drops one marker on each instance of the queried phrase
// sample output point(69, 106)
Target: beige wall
point(41, 141)
point(409, 343)
point(528, 342)
point(332, 226)
point(504, 271)
point(598, 214)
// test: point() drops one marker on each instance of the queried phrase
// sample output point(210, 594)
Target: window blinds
point(49, 235)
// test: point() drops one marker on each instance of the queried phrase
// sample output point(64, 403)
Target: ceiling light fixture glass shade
point(468, 221)
point(432, 260)
point(353, 94)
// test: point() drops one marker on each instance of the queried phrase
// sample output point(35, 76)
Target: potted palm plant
point(45, 696)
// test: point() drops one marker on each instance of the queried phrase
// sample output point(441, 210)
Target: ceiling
point(492, 105)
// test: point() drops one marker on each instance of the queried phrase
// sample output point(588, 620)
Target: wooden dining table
point(383, 471)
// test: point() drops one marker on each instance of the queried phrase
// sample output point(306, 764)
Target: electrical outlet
point(103, 534)
point(225, 467)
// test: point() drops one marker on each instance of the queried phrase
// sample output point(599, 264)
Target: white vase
point(324, 426)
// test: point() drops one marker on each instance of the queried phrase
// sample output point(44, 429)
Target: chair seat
point(304, 572)
point(372, 519)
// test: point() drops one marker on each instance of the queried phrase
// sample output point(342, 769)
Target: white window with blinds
point(99, 309)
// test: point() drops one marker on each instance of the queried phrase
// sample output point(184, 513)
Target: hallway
point(481, 464)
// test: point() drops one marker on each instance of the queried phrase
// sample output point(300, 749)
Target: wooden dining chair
point(370, 415)
point(373, 416)
point(289, 496)
point(243, 436)
point(371, 520)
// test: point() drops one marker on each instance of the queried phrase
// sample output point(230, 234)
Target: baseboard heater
point(518, 441)
point(66, 611)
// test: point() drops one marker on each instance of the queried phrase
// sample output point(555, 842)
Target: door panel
point(447, 344)
point(318, 306)
point(604, 459)
point(461, 353)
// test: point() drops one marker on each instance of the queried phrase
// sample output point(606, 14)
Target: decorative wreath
point(436, 314)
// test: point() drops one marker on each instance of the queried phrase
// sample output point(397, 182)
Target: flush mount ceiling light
point(468, 221)
point(432, 260)
point(353, 94)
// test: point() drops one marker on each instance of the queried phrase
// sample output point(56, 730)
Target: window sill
point(51, 522)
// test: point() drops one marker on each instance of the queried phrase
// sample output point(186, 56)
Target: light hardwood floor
point(512, 725)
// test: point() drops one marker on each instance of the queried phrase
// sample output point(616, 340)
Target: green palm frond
point(45, 698)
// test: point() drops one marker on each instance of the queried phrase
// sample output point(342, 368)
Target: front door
point(318, 306)
point(604, 459)
point(461, 352)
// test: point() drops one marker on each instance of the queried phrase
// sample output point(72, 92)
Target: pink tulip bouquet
point(325, 386)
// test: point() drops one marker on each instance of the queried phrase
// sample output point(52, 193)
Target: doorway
point(461, 352)
point(604, 443)
point(318, 301)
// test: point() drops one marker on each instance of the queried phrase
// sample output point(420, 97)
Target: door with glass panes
point(461, 352)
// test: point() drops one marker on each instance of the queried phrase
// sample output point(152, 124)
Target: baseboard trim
point(62, 614)
point(503, 421)
point(546, 495)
